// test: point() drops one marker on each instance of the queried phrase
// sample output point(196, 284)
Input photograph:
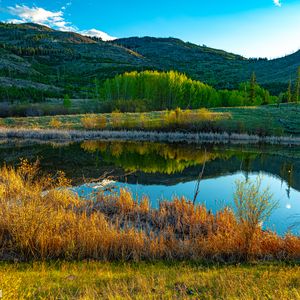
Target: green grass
point(262, 120)
point(276, 120)
point(160, 280)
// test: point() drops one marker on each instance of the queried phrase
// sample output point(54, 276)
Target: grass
point(57, 246)
point(271, 119)
point(262, 120)
point(40, 221)
point(145, 280)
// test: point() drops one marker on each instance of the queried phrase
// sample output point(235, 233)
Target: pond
point(162, 171)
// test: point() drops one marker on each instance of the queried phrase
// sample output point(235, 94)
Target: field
point(158, 280)
point(262, 120)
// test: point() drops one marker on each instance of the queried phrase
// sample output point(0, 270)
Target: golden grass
point(40, 221)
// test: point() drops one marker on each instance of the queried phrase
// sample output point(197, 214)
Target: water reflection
point(164, 170)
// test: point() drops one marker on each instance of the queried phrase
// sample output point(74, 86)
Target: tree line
point(168, 90)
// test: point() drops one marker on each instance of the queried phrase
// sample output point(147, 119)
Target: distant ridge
point(71, 61)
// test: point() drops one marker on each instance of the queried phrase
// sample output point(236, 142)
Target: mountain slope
point(71, 62)
point(60, 58)
point(216, 67)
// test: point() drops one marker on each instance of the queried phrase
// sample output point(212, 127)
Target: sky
point(252, 28)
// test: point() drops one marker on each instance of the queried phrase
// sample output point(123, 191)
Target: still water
point(162, 171)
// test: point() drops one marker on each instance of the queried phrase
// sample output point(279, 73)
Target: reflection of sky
point(218, 192)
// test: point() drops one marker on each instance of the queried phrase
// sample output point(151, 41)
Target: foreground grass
point(262, 120)
point(41, 221)
point(159, 280)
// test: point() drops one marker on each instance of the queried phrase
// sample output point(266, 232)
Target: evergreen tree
point(289, 92)
point(297, 87)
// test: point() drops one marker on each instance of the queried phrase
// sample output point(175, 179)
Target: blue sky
point(256, 28)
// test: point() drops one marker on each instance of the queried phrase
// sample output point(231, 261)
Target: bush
point(253, 208)
point(94, 122)
point(55, 123)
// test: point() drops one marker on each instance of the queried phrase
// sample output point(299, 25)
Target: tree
point(253, 88)
point(67, 101)
point(289, 92)
point(297, 87)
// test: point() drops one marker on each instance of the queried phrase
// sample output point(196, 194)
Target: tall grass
point(38, 220)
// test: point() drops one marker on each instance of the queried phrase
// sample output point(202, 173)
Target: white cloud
point(97, 33)
point(277, 3)
point(56, 20)
point(41, 16)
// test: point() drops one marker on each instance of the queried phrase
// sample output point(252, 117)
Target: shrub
point(94, 122)
point(116, 119)
point(55, 123)
point(253, 208)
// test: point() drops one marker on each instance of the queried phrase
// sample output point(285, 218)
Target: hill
point(67, 62)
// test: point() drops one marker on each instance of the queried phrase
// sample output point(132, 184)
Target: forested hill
point(70, 62)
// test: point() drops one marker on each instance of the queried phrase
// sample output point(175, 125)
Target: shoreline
point(145, 136)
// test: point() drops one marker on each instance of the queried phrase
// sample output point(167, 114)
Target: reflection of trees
point(151, 157)
point(247, 162)
point(287, 173)
point(173, 158)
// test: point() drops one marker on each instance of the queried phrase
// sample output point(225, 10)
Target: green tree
point(289, 92)
point(67, 101)
point(297, 87)
point(252, 94)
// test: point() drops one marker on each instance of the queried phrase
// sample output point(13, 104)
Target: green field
point(261, 120)
point(177, 280)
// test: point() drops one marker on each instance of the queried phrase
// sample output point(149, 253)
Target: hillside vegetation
point(69, 63)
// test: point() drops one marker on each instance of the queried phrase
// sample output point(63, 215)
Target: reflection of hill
point(156, 163)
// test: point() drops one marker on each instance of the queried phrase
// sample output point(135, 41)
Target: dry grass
point(38, 221)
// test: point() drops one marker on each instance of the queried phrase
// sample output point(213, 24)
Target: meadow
point(271, 120)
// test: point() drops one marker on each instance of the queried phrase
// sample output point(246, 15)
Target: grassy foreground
point(260, 120)
point(39, 220)
point(159, 280)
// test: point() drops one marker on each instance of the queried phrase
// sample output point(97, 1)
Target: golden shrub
point(94, 122)
point(55, 123)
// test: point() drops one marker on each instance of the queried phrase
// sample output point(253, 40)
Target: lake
point(162, 171)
